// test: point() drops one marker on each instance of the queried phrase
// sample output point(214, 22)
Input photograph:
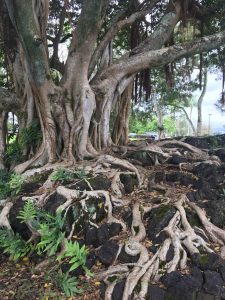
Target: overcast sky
point(213, 92)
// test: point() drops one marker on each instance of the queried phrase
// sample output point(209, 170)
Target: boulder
point(107, 253)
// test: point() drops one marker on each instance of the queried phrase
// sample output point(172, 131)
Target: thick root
point(4, 222)
point(185, 240)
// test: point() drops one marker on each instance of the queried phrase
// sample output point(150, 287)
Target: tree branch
point(114, 30)
point(162, 56)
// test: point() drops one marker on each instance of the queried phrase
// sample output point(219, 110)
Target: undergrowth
point(10, 184)
point(52, 243)
point(63, 175)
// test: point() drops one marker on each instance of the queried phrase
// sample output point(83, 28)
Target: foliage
point(15, 183)
point(51, 233)
point(78, 255)
point(13, 244)
point(67, 284)
point(141, 123)
point(29, 137)
point(28, 213)
point(63, 175)
point(52, 236)
point(13, 153)
point(10, 184)
point(4, 187)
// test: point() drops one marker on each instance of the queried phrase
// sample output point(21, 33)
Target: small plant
point(30, 136)
point(28, 213)
point(62, 175)
point(15, 183)
point(4, 187)
point(51, 234)
point(81, 173)
point(10, 184)
point(77, 254)
point(67, 284)
point(13, 244)
point(14, 153)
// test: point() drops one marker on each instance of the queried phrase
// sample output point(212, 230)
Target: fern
point(51, 234)
point(15, 183)
point(77, 254)
point(28, 213)
point(62, 175)
point(13, 244)
point(81, 173)
point(67, 284)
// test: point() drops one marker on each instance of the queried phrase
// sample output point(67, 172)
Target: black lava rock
point(103, 234)
point(158, 219)
point(118, 290)
point(15, 223)
point(114, 229)
point(108, 252)
point(155, 293)
point(91, 237)
point(182, 287)
point(126, 258)
point(213, 283)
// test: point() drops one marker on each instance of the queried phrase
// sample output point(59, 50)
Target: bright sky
point(213, 92)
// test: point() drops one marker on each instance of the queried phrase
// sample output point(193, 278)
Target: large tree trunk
point(74, 116)
point(121, 125)
point(2, 138)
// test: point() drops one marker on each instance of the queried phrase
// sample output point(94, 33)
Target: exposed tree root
point(181, 237)
point(185, 240)
point(114, 161)
point(4, 222)
point(184, 145)
point(215, 234)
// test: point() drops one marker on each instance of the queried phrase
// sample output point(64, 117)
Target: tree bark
point(2, 138)
point(200, 100)
point(74, 116)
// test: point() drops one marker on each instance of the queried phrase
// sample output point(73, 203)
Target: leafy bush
point(10, 184)
point(52, 237)
point(15, 183)
point(78, 255)
point(63, 175)
point(4, 187)
point(51, 234)
point(67, 284)
point(13, 244)
point(28, 137)
point(141, 123)
point(14, 153)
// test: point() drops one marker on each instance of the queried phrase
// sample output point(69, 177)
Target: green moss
point(192, 218)
point(161, 212)
point(204, 259)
